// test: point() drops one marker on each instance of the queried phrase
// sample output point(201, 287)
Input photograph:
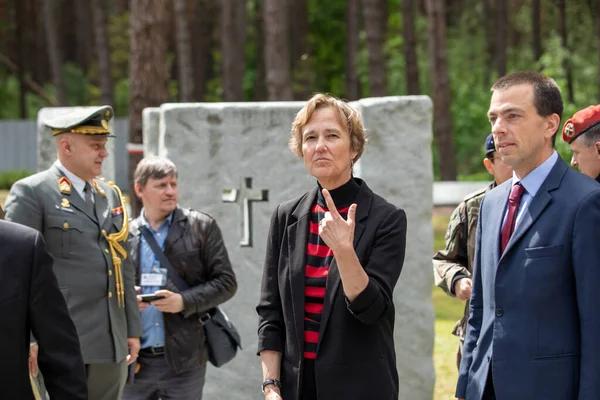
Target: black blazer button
point(499, 312)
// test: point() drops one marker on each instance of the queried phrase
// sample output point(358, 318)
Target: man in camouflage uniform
point(582, 133)
point(452, 267)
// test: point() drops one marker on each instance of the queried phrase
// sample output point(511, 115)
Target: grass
point(447, 312)
point(3, 194)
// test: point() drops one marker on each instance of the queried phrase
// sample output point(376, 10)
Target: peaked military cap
point(87, 121)
point(580, 123)
point(490, 147)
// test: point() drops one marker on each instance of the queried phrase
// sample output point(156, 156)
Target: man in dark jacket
point(30, 301)
point(173, 344)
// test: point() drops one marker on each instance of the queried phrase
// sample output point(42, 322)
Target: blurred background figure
point(453, 266)
point(582, 133)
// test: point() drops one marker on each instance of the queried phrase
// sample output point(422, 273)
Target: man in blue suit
point(534, 323)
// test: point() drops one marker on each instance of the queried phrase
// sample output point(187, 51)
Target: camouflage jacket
point(456, 260)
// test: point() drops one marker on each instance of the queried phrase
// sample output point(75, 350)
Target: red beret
point(581, 121)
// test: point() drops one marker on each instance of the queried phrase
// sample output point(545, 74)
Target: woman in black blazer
point(334, 255)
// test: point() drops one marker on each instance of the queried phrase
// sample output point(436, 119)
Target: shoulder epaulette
point(476, 193)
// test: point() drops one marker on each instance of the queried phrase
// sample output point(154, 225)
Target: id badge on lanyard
point(157, 276)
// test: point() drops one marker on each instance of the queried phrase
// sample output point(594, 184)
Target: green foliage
point(9, 98)
point(470, 73)
point(118, 39)
point(7, 178)
point(327, 41)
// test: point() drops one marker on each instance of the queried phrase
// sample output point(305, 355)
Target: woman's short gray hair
point(153, 167)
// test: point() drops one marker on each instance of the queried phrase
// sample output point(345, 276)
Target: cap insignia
point(569, 130)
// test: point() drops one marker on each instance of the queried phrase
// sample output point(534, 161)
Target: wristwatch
point(268, 382)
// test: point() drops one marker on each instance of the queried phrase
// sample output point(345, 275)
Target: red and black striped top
point(318, 259)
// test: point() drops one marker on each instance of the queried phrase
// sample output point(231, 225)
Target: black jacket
point(30, 301)
point(195, 248)
point(356, 359)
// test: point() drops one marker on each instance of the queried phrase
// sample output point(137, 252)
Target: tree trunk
point(500, 41)
point(20, 49)
point(410, 47)
point(149, 75)
point(122, 6)
point(441, 89)
point(84, 37)
point(205, 17)
point(536, 27)
point(352, 49)
point(303, 74)
point(260, 92)
point(233, 48)
point(375, 17)
point(55, 50)
point(488, 26)
point(41, 67)
point(102, 51)
point(562, 28)
point(184, 53)
point(277, 53)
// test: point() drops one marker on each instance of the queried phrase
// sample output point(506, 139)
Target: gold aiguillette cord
point(115, 247)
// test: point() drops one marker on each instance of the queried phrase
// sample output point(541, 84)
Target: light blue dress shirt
point(532, 183)
point(152, 319)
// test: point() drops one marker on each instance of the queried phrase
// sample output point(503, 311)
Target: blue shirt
point(152, 319)
point(532, 183)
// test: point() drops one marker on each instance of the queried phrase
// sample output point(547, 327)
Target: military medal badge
point(64, 185)
point(99, 189)
point(65, 205)
point(116, 211)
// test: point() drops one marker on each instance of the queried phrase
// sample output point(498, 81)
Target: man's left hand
point(172, 302)
point(134, 348)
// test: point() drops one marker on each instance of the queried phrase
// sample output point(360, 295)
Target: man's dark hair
point(153, 167)
point(591, 136)
point(547, 99)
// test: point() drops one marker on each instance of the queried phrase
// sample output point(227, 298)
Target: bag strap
point(164, 261)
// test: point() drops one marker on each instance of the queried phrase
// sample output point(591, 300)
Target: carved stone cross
point(244, 197)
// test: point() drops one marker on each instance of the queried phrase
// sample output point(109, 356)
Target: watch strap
point(268, 382)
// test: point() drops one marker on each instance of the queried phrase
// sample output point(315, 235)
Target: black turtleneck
point(342, 196)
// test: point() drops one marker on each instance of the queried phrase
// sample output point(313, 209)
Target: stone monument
point(150, 123)
point(234, 164)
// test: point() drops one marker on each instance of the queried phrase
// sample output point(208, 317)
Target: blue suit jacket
point(535, 310)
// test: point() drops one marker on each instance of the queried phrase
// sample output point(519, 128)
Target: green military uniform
point(456, 260)
point(87, 243)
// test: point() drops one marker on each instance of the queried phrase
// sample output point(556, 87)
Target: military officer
point(452, 267)
point(582, 133)
point(84, 223)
